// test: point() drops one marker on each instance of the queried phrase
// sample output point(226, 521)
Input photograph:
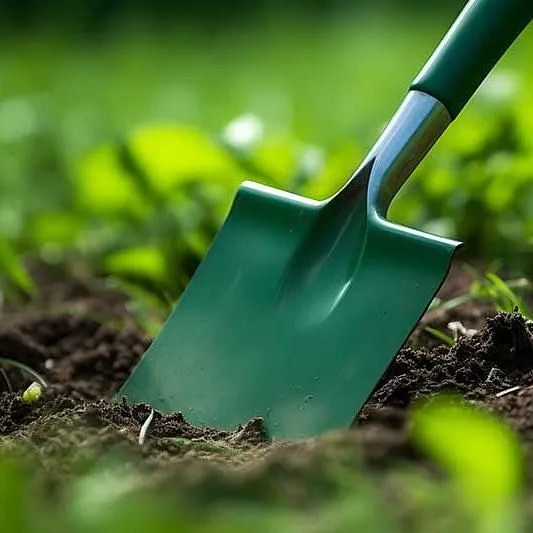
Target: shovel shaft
point(472, 47)
point(413, 130)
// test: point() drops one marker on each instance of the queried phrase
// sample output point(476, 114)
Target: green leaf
point(104, 189)
point(162, 159)
point(170, 155)
point(276, 158)
point(13, 497)
point(337, 170)
point(56, 227)
point(482, 454)
point(470, 134)
point(144, 261)
point(11, 267)
point(446, 339)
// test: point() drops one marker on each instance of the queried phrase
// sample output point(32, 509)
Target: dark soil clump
point(58, 427)
point(497, 357)
point(85, 362)
point(75, 354)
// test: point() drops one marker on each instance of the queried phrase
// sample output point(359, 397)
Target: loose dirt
point(84, 361)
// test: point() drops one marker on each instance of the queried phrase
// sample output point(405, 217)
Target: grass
point(506, 296)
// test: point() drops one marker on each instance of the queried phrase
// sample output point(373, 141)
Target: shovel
point(299, 306)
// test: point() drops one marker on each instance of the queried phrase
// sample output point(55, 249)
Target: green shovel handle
point(472, 47)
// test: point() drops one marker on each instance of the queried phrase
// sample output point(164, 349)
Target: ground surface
point(75, 423)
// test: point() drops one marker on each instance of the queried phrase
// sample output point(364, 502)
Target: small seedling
point(500, 293)
point(32, 393)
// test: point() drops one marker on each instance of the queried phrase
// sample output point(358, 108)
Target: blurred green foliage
point(483, 456)
point(121, 155)
point(97, 16)
point(481, 490)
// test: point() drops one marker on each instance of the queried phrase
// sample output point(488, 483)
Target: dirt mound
point(85, 362)
point(75, 354)
point(497, 357)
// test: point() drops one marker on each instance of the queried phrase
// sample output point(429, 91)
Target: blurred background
point(126, 127)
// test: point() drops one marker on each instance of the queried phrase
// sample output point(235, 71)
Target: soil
point(84, 361)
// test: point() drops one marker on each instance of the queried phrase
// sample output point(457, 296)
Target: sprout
point(32, 393)
point(145, 426)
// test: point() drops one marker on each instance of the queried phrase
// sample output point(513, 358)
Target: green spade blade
point(299, 306)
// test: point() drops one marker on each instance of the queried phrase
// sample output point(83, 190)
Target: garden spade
point(299, 306)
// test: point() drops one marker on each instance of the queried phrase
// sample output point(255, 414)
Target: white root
point(145, 426)
point(508, 391)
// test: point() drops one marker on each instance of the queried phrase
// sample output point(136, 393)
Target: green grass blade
point(441, 336)
point(24, 368)
point(12, 268)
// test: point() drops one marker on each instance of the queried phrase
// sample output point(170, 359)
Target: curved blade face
point(296, 333)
